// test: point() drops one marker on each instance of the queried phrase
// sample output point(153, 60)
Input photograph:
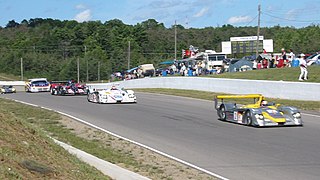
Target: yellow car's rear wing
point(243, 96)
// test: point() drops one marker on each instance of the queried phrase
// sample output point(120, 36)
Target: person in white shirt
point(303, 68)
point(291, 57)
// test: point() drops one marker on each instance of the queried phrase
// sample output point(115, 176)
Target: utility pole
point(175, 40)
point(129, 54)
point(21, 66)
point(78, 70)
point(85, 53)
point(258, 31)
point(98, 70)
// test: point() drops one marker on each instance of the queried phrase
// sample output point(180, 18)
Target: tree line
point(50, 48)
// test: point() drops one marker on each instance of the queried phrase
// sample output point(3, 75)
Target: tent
point(169, 62)
point(130, 70)
point(264, 56)
point(240, 65)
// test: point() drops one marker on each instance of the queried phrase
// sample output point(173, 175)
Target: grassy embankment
point(275, 74)
point(9, 77)
point(27, 153)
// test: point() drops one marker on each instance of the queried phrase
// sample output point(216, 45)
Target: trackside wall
point(272, 89)
point(19, 85)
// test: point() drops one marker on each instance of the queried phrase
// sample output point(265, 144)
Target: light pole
point(175, 40)
point(21, 66)
point(99, 71)
point(85, 53)
point(258, 31)
point(78, 69)
point(129, 53)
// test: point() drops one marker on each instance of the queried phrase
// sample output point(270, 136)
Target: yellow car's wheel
point(222, 112)
point(248, 118)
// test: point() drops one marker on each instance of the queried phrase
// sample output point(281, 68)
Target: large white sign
point(246, 38)
point(226, 47)
point(268, 45)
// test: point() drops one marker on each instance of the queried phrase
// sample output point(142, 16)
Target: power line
point(286, 19)
point(252, 20)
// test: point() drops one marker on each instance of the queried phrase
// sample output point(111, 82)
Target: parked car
point(147, 70)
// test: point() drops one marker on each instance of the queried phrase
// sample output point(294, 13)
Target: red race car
point(67, 88)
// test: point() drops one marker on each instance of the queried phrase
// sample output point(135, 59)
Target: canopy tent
point(130, 70)
point(240, 65)
point(264, 56)
point(169, 62)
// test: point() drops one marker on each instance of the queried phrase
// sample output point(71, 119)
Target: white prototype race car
point(111, 95)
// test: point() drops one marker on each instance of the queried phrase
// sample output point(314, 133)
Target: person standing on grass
point(303, 68)
point(284, 57)
point(291, 57)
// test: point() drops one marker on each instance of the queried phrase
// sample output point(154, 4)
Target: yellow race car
point(259, 114)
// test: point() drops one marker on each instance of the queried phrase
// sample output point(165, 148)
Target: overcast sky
point(189, 13)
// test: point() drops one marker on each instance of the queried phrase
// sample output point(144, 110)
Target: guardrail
point(272, 89)
point(19, 85)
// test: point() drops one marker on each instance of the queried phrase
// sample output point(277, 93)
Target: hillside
point(52, 48)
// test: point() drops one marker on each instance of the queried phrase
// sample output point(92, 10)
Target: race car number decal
point(235, 115)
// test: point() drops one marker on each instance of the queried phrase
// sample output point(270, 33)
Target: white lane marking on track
point(311, 115)
point(134, 142)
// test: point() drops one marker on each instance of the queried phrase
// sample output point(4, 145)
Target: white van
point(147, 70)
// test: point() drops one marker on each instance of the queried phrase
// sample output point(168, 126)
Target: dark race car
point(68, 88)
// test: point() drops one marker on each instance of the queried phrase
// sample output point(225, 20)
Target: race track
point(189, 130)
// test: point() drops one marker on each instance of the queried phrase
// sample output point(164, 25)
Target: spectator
point(203, 68)
point(174, 68)
point(291, 57)
point(303, 68)
point(284, 57)
point(265, 63)
point(264, 51)
point(183, 69)
point(272, 62)
point(254, 65)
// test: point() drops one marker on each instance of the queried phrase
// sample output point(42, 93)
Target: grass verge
point(274, 74)
point(27, 153)
point(302, 105)
point(9, 77)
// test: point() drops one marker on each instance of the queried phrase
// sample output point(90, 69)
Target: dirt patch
point(160, 167)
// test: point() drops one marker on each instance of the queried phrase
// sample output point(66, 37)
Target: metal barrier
point(272, 89)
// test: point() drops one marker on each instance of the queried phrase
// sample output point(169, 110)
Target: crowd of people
point(284, 60)
point(199, 67)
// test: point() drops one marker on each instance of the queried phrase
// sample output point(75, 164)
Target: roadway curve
point(189, 130)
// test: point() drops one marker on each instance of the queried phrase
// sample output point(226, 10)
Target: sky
point(188, 13)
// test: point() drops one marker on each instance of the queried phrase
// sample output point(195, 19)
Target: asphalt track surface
point(188, 129)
